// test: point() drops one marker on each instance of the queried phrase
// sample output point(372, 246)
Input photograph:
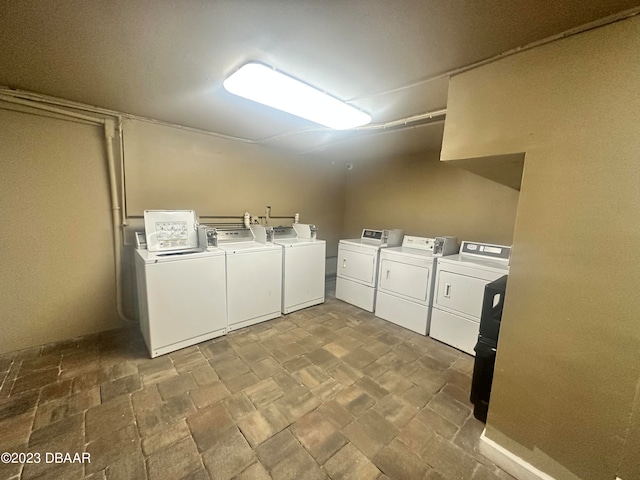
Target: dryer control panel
point(421, 243)
point(486, 250)
point(384, 238)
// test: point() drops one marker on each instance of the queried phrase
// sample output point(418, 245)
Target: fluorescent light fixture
point(266, 85)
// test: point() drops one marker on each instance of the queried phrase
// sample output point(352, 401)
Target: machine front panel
point(254, 284)
point(462, 293)
point(356, 293)
point(454, 330)
point(185, 299)
point(405, 279)
point(405, 313)
point(356, 265)
point(304, 269)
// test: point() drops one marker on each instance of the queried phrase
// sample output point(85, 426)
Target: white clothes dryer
point(406, 280)
point(303, 265)
point(358, 260)
point(459, 292)
point(254, 277)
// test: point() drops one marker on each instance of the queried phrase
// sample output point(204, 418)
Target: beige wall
point(425, 197)
point(168, 167)
point(172, 168)
point(57, 271)
point(58, 276)
point(566, 389)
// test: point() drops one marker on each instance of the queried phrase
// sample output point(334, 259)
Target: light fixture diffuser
point(263, 84)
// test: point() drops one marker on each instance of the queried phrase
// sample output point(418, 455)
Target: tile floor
point(327, 392)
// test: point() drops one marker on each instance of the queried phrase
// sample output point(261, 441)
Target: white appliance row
point(424, 285)
point(197, 283)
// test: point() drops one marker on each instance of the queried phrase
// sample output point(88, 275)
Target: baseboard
point(510, 462)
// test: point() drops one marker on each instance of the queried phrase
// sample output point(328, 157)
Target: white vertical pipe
point(109, 135)
point(123, 213)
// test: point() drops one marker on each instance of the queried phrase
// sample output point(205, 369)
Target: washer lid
point(290, 242)
point(248, 247)
point(152, 257)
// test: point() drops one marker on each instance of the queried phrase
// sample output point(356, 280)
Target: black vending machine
point(487, 345)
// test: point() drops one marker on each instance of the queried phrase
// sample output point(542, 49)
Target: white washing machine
point(254, 276)
point(303, 265)
point(406, 280)
point(181, 290)
point(358, 260)
point(459, 292)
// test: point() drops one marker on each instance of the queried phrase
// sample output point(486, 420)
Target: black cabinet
point(487, 346)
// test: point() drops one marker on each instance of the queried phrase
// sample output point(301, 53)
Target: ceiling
point(166, 59)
